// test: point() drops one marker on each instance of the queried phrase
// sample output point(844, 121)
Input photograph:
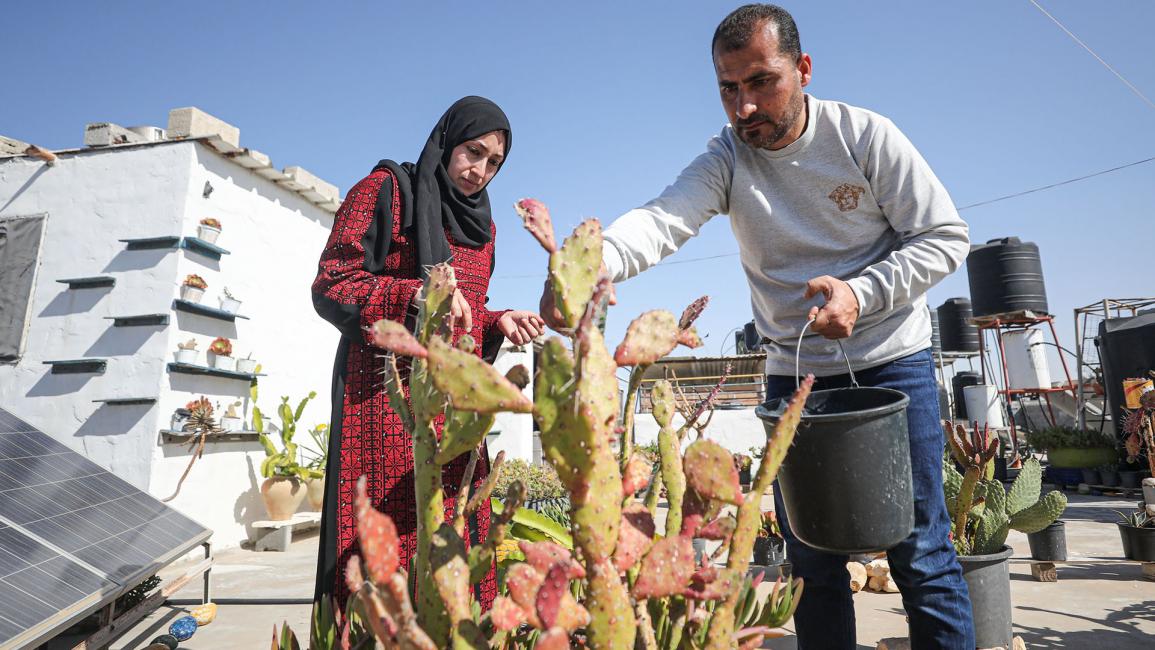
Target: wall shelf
point(94, 282)
point(170, 436)
point(150, 243)
point(193, 369)
point(78, 366)
point(139, 320)
point(205, 310)
point(203, 247)
point(126, 401)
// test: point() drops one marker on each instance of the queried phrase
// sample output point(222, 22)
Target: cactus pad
point(537, 221)
point(1027, 487)
point(636, 536)
point(396, 338)
point(450, 572)
point(692, 312)
point(506, 614)
point(1040, 515)
point(463, 432)
point(545, 554)
point(636, 476)
point(711, 473)
point(574, 268)
point(378, 537)
point(649, 337)
point(472, 384)
point(662, 399)
point(666, 569)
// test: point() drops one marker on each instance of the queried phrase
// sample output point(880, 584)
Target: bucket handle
point(798, 355)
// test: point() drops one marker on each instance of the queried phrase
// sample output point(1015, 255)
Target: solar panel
point(72, 535)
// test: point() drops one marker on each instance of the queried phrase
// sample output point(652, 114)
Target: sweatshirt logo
point(845, 196)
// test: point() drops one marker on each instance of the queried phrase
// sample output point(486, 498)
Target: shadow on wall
point(73, 301)
point(196, 385)
point(113, 419)
point(51, 385)
point(205, 326)
point(122, 341)
point(27, 184)
point(249, 506)
point(137, 260)
point(202, 260)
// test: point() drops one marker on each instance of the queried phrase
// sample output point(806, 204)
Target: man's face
point(761, 90)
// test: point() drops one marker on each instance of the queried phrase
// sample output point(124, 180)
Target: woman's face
point(473, 163)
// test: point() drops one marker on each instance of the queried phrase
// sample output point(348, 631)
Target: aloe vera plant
point(611, 580)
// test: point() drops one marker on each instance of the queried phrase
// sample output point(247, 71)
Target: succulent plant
point(221, 347)
point(983, 512)
point(211, 222)
point(612, 580)
point(195, 281)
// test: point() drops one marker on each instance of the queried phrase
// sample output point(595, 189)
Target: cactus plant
point(983, 512)
point(612, 580)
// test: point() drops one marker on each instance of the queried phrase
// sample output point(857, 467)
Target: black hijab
point(431, 202)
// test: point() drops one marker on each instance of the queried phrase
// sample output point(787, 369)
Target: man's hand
point(548, 306)
point(835, 319)
point(520, 327)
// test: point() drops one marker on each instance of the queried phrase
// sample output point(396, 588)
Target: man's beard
point(778, 129)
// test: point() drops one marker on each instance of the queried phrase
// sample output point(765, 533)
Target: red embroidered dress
point(367, 436)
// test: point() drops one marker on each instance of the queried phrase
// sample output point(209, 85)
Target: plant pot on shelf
point(229, 305)
point(1091, 476)
point(187, 356)
point(989, 582)
point(1080, 457)
point(744, 477)
point(221, 362)
point(1129, 478)
point(247, 366)
point(315, 493)
point(769, 551)
point(1109, 477)
point(1050, 543)
point(1138, 543)
point(208, 233)
point(191, 294)
point(282, 496)
point(230, 423)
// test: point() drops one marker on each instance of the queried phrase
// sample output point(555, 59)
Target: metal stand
point(1102, 310)
point(1020, 321)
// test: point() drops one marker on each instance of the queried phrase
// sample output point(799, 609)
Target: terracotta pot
point(315, 491)
point(282, 496)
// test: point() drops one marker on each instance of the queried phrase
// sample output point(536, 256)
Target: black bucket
point(1050, 543)
point(846, 481)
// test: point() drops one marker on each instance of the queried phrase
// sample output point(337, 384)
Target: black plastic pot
point(1138, 543)
point(1129, 478)
point(744, 476)
point(769, 551)
point(989, 582)
point(1091, 476)
point(846, 481)
point(1109, 477)
point(1050, 543)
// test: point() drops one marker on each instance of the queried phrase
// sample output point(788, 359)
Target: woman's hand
point(459, 311)
point(520, 327)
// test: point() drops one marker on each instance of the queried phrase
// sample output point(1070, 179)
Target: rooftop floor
point(1100, 600)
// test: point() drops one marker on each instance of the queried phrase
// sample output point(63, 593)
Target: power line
point(1066, 182)
point(1092, 53)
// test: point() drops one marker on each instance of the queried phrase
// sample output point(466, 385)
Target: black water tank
point(954, 332)
point(1006, 275)
point(1127, 350)
point(957, 383)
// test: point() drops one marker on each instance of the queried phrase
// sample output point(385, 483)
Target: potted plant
point(283, 489)
point(221, 351)
point(231, 421)
point(1139, 431)
point(187, 352)
point(1076, 448)
point(743, 462)
point(982, 513)
point(193, 288)
point(247, 365)
point(1050, 543)
point(208, 230)
point(769, 545)
point(229, 302)
point(200, 417)
point(1138, 532)
point(317, 460)
point(1109, 475)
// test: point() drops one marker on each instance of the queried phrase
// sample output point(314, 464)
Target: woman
point(393, 226)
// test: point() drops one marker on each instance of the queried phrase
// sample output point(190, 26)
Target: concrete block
point(276, 535)
point(857, 576)
point(251, 159)
point(326, 191)
point(12, 146)
point(104, 134)
point(1149, 570)
point(1044, 572)
point(894, 643)
point(192, 122)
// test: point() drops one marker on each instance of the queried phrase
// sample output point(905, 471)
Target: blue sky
point(609, 100)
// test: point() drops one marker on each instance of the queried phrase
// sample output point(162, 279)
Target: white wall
point(736, 430)
point(275, 238)
point(516, 429)
point(92, 200)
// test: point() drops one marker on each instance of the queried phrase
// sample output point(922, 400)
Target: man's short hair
point(735, 30)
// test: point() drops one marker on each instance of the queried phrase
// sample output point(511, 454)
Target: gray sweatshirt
point(851, 198)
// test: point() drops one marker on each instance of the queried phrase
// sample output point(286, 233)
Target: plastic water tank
point(984, 405)
point(954, 332)
point(957, 383)
point(1027, 359)
point(1127, 349)
point(1006, 275)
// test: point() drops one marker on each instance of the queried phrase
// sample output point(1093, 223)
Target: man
point(838, 220)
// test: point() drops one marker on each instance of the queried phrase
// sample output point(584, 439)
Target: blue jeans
point(923, 565)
